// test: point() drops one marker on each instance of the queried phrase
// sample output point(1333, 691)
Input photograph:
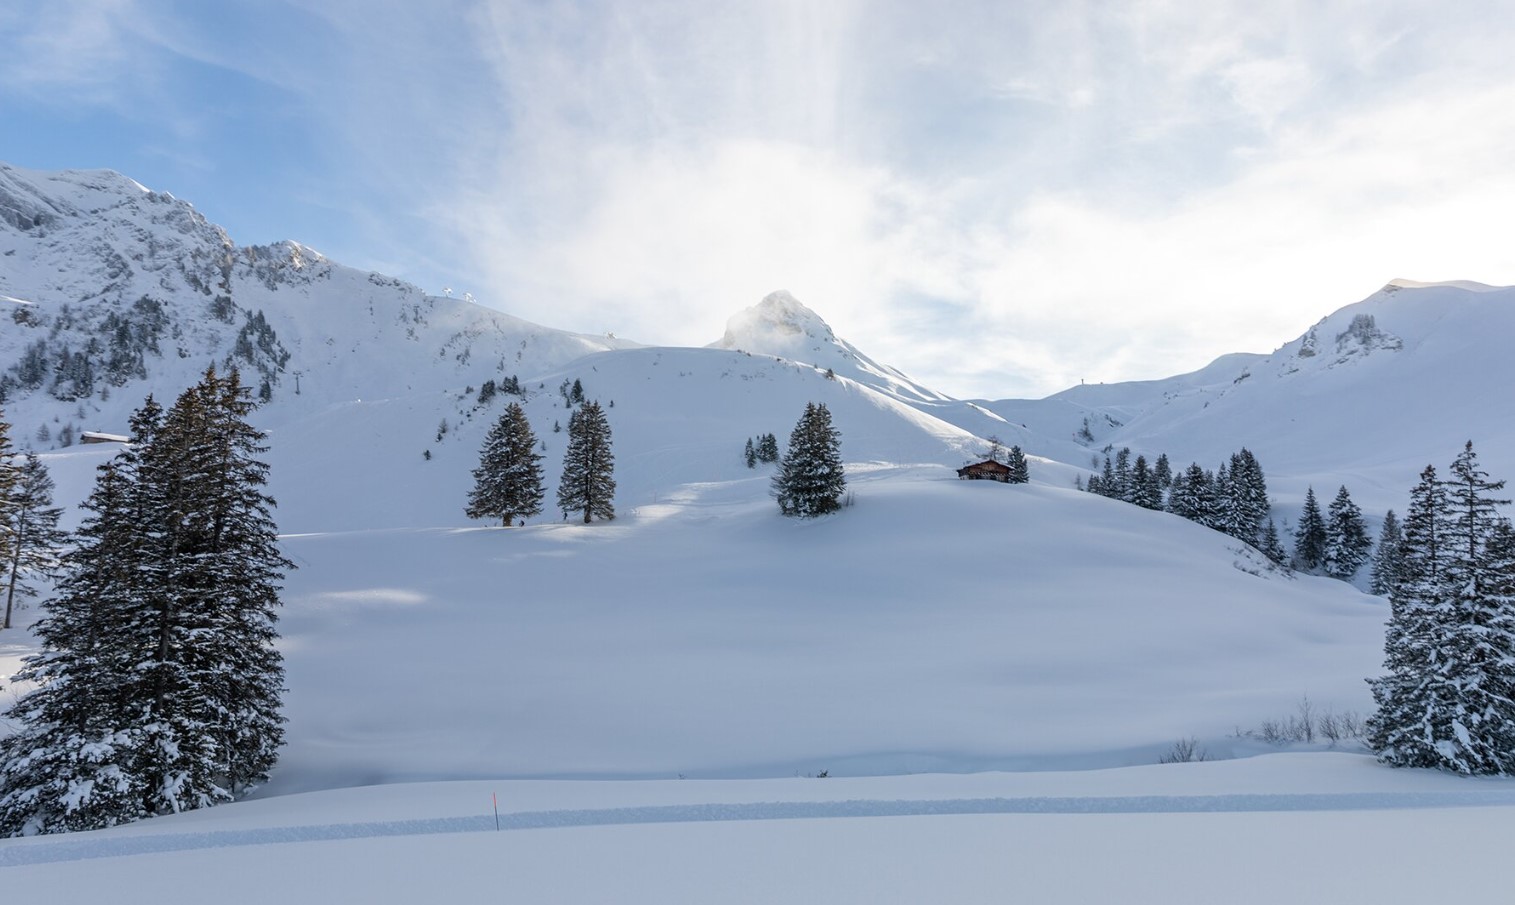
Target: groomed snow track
point(17, 853)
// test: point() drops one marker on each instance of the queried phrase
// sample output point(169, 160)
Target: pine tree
point(1123, 474)
point(1271, 547)
point(1448, 699)
point(1245, 504)
point(1109, 485)
point(508, 481)
point(1193, 496)
point(768, 448)
point(1347, 542)
point(810, 479)
point(30, 521)
point(159, 683)
point(8, 474)
point(1310, 539)
point(1145, 491)
point(1020, 472)
point(1163, 471)
point(1387, 566)
point(588, 482)
point(749, 455)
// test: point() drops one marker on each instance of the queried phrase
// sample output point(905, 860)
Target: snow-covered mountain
point(1368, 396)
point(932, 625)
point(110, 291)
point(781, 326)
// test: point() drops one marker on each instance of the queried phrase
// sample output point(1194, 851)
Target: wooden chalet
point(97, 437)
point(987, 470)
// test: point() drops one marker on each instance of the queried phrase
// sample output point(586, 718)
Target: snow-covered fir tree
point(1347, 543)
point(1145, 491)
point(1162, 469)
point(749, 454)
point(1310, 537)
point(810, 479)
point(507, 485)
point(1448, 698)
point(768, 448)
point(1020, 472)
point(1387, 567)
point(7, 482)
point(1271, 547)
point(159, 684)
point(29, 521)
point(588, 481)
point(1193, 496)
point(1244, 499)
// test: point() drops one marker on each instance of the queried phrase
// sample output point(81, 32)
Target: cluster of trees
point(1232, 499)
point(510, 385)
point(1336, 544)
point(1447, 698)
point(117, 346)
point(766, 449)
point(508, 482)
point(30, 541)
point(158, 685)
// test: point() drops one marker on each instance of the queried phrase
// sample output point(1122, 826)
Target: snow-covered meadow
point(948, 691)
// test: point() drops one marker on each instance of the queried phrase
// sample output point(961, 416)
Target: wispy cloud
point(1000, 199)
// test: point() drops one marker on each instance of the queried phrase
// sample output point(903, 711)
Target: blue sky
point(999, 198)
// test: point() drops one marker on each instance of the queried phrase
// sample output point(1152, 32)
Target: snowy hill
point(110, 291)
point(1367, 397)
point(931, 625)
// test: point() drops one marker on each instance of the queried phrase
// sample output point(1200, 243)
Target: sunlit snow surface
point(1035, 650)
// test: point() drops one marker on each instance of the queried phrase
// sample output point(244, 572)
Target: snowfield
point(948, 691)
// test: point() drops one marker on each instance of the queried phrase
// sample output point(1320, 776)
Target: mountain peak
point(1467, 285)
point(776, 325)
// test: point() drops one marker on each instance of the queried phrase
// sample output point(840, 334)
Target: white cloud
point(1002, 200)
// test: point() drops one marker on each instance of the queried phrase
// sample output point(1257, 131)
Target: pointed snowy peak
point(781, 326)
point(777, 325)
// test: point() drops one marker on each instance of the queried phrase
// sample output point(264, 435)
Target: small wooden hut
point(987, 470)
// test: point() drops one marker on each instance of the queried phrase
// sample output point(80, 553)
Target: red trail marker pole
point(496, 801)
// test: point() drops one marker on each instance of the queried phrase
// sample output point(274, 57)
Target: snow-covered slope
point(1367, 397)
point(109, 291)
point(930, 625)
point(782, 327)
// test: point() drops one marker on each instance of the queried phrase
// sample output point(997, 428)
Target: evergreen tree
point(1387, 567)
point(1310, 539)
point(749, 455)
point(1347, 542)
point(1448, 699)
point(158, 680)
point(1193, 496)
point(1271, 547)
point(810, 479)
point(508, 481)
point(1245, 505)
point(768, 448)
point(1163, 471)
point(1145, 491)
point(1123, 474)
point(8, 472)
point(1020, 472)
point(588, 482)
point(73, 763)
point(30, 522)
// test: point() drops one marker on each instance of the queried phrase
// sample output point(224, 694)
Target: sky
point(1002, 199)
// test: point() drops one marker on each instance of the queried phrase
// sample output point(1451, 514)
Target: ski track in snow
point(35, 851)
